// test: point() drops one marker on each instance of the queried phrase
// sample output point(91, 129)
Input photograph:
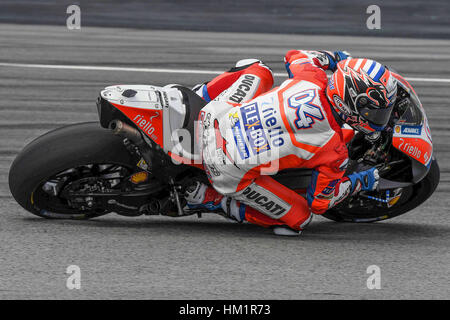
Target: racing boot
point(200, 196)
point(203, 197)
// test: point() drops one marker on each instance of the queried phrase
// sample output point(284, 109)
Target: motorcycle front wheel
point(411, 197)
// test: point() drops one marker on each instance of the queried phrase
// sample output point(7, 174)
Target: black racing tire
point(411, 198)
point(58, 150)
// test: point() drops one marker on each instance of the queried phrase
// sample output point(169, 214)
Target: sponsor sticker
point(254, 129)
point(265, 201)
point(139, 177)
point(142, 164)
point(412, 130)
point(238, 136)
point(329, 188)
point(147, 124)
point(242, 88)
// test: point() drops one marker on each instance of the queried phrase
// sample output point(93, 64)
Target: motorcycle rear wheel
point(66, 148)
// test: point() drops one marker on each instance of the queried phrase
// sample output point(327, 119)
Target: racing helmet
point(363, 93)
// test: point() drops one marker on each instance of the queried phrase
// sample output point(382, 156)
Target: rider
point(248, 132)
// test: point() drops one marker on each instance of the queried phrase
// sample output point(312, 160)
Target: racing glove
point(336, 191)
point(325, 60)
point(335, 57)
point(364, 180)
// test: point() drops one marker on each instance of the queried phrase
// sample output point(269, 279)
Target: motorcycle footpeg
point(175, 195)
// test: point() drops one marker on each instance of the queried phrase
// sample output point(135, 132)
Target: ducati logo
point(266, 202)
point(244, 86)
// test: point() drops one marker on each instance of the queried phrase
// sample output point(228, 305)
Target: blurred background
point(402, 18)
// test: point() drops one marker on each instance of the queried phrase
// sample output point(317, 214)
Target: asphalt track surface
point(208, 258)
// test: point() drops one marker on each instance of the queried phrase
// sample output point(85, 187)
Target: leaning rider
point(250, 131)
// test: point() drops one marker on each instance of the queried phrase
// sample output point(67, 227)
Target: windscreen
point(412, 114)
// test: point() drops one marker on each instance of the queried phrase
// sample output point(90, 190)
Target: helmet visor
point(378, 116)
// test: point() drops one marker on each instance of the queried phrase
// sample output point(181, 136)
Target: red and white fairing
point(414, 141)
point(412, 134)
point(158, 111)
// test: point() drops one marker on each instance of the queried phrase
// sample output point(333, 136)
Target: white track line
point(100, 68)
point(161, 70)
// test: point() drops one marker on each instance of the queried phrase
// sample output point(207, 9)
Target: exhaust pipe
point(122, 129)
point(126, 131)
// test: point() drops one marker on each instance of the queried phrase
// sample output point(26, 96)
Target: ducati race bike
point(133, 160)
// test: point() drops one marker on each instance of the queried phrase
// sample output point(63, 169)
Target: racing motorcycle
point(141, 155)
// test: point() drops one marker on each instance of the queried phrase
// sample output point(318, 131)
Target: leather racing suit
point(249, 131)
